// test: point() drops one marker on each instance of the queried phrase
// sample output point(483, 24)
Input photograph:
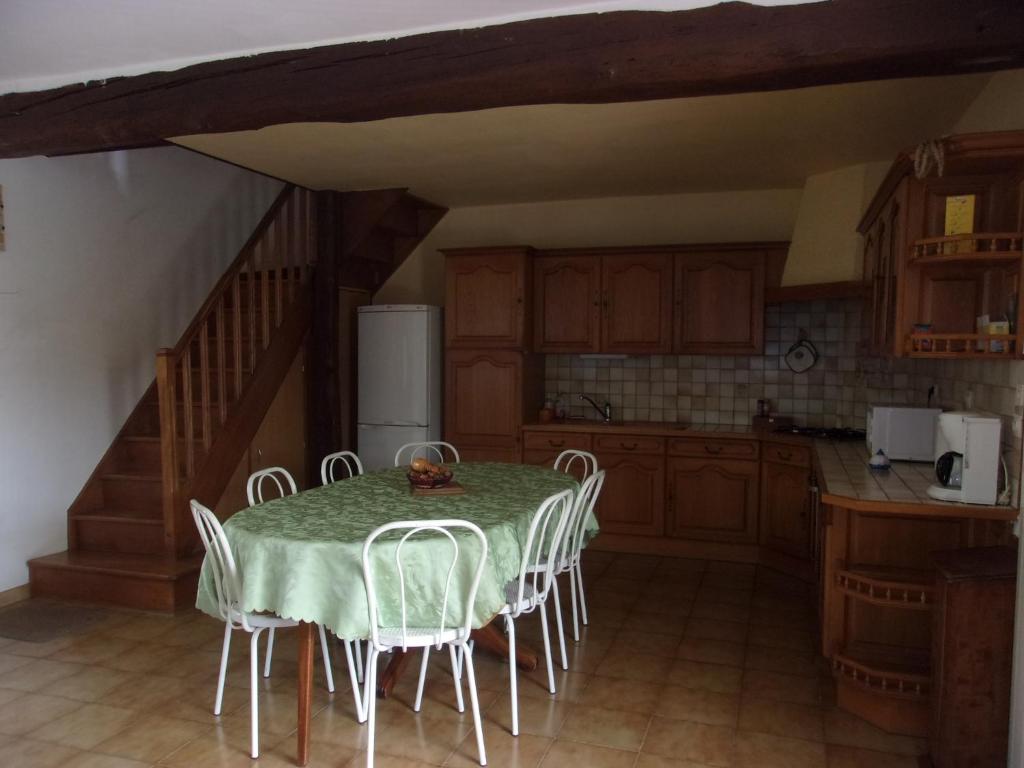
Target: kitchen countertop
point(841, 468)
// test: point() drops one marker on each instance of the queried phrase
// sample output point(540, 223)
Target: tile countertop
point(841, 468)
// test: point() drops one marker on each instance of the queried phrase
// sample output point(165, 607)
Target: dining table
point(300, 556)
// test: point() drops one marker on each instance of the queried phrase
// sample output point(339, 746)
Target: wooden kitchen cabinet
point(567, 304)
point(542, 447)
point(487, 394)
point(719, 303)
point(487, 298)
point(884, 245)
point(712, 499)
point(637, 303)
point(633, 497)
point(786, 501)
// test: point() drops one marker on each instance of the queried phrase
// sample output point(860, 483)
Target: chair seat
point(561, 567)
point(528, 603)
point(262, 620)
point(417, 637)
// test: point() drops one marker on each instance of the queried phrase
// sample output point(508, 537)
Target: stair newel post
point(166, 398)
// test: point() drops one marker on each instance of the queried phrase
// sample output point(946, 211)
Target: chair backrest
point(353, 466)
point(440, 532)
point(280, 478)
point(227, 585)
point(542, 542)
point(575, 528)
point(572, 459)
point(429, 451)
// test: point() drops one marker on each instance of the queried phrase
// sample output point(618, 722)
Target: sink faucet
point(605, 410)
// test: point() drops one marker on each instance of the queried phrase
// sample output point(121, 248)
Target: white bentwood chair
point(386, 635)
point(280, 478)
point(353, 466)
point(530, 589)
point(569, 460)
point(570, 554)
point(227, 586)
point(427, 450)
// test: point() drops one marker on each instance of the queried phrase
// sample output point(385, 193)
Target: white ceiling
point(48, 43)
point(550, 152)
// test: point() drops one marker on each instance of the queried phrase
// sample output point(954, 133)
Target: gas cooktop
point(827, 433)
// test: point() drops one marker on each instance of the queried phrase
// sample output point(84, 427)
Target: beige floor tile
point(338, 728)
point(657, 761)
point(85, 727)
point(674, 601)
point(781, 687)
point(845, 729)
point(781, 718)
point(217, 751)
point(722, 589)
point(619, 585)
point(711, 609)
point(664, 624)
point(774, 636)
point(782, 660)
point(605, 727)
point(94, 649)
point(39, 650)
point(38, 674)
point(9, 661)
point(90, 684)
point(700, 706)
point(321, 755)
point(716, 629)
point(152, 738)
point(383, 760)
point(537, 716)
point(93, 760)
point(651, 643)
point(9, 695)
point(734, 569)
point(566, 753)
point(419, 737)
point(31, 710)
point(779, 617)
point(683, 740)
point(711, 651)
point(569, 686)
point(851, 757)
point(758, 750)
point(503, 749)
point(196, 704)
point(621, 694)
point(144, 657)
point(145, 628)
point(27, 753)
point(634, 666)
point(720, 678)
point(146, 692)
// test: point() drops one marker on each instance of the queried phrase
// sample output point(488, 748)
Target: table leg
point(392, 672)
point(306, 633)
point(493, 640)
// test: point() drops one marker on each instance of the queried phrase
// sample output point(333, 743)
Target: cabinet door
point(485, 299)
point(567, 303)
point(633, 497)
point(713, 500)
point(884, 246)
point(483, 399)
point(785, 509)
point(719, 304)
point(637, 303)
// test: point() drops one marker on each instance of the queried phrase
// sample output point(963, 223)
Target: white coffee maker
point(967, 458)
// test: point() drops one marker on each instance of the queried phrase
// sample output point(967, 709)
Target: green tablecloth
point(301, 556)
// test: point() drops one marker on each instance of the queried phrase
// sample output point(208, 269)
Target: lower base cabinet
point(633, 498)
point(712, 500)
point(786, 509)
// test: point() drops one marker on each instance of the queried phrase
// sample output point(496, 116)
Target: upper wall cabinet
point(636, 297)
point(567, 303)
point(487, 297)
point(719, 303)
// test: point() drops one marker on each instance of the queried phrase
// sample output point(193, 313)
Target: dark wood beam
point(595, 58)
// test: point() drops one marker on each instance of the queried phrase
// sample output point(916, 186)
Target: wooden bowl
point(425, 480)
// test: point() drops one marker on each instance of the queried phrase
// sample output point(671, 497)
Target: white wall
point(108, 257)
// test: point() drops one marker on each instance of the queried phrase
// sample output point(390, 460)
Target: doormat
point(39, 621)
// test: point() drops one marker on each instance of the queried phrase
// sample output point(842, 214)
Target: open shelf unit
point(981, 346)
point(906, 590)
point(910, 681)
point(971, 248)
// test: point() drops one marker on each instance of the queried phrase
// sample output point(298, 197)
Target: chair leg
point(423, 676)
point(359, 658)
point(583, 597)
point(575, 604)
point(357, 695)
point(558, 622)
point(224, 653)
point(270, 652)
point(456, 677)
point(328, 672)
point(547, 645)
point(510, 623)
point(475, 703)
point(371, 701)
point(254, 694)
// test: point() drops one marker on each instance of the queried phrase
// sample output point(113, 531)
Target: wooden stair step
point(153, 582)
point(130, 491)
point(119, 530)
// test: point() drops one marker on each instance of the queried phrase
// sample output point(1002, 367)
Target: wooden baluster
point(222, 364)
point(264, 294)
point(187, 426)
point(236, 328)
point(204, 381)
point(169, 468)
point(287, 246)
point(252, 309)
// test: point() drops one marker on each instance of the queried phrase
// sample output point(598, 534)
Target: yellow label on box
point(959, 214)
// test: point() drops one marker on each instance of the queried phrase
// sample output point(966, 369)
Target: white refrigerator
point(400, 357)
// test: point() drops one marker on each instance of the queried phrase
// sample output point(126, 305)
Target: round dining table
point(300, 556)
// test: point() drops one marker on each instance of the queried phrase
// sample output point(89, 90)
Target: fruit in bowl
point(423, 474)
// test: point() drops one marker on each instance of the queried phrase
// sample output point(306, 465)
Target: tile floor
point(685, 664)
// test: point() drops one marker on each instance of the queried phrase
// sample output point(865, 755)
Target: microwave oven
point(901, 432)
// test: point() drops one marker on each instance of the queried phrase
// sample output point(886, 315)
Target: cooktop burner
point(834, 433)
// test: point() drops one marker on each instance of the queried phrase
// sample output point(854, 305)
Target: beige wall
point(641, 220)
point(999, 106)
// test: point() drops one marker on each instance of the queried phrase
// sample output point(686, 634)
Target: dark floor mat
point(39, 621)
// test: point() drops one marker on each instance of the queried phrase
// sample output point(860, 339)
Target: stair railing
point(206, 372)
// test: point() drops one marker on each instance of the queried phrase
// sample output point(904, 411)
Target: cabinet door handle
point(556, 443)
point(715, 449)
point(632, 447)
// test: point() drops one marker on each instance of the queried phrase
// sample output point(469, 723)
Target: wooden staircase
point(131, 538)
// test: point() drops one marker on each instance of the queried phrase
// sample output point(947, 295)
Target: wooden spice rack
point(872, 588)
point(962, 345)
point(971, 248)
point(891, 681)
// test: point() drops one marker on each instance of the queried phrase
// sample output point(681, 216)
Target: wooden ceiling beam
point(593, 58)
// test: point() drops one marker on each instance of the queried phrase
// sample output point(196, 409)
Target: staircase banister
point(221, 286)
